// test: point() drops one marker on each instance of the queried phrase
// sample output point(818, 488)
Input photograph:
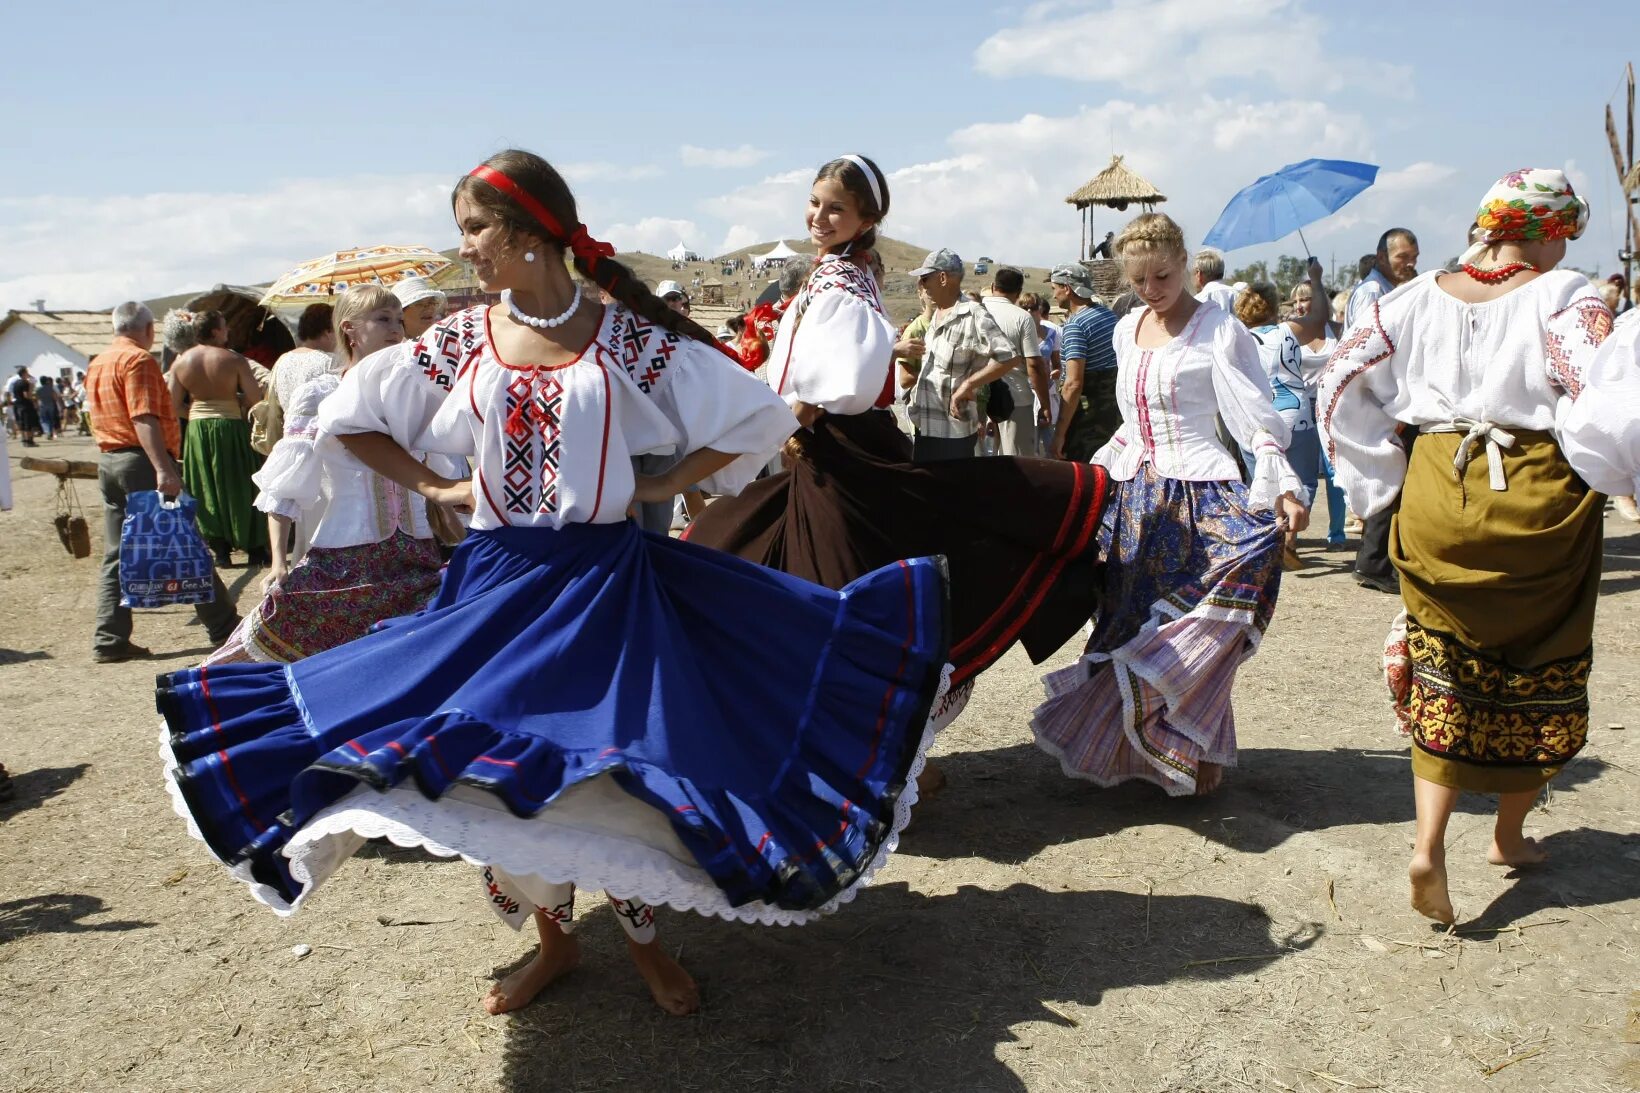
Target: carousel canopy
point(1116, 187)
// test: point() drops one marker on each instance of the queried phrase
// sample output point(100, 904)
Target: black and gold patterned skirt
point(1500, 590)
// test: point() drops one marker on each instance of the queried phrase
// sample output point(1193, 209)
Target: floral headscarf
point(1528, 205)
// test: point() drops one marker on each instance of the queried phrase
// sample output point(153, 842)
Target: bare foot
point(674, 990)
point(1524, 852)
point(1209, 776)
point(1429, 895)
point(520, 988)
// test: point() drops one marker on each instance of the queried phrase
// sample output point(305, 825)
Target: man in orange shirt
point(138, 434)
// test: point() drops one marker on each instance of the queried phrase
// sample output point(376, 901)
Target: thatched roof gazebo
point(1115, 187)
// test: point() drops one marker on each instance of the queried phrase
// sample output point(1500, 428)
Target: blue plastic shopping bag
point(163, 560)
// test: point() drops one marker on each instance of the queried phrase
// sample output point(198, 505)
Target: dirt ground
point(1033, 933)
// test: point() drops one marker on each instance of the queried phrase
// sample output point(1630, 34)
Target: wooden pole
point(1628, 206)
point(62, 468)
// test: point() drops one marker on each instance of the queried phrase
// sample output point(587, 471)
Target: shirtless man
point(217, 385)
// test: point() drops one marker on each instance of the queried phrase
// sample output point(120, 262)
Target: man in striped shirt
point(1089, 415)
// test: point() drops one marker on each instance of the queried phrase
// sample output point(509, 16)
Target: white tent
point(780, 253)
point(681, 253)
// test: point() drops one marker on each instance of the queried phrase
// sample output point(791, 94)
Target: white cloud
point(93, 252)
point(655, 235)
point(771, 208)
point(738, 236)
point(1415, 178)
point(744, 156)
point(1002, 191)
point(1152, 45)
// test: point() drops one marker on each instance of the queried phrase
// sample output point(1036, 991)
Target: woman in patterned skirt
point(1192, 556)
point(371, 554)
point(1497, 542)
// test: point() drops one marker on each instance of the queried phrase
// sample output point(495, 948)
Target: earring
point(529, 256)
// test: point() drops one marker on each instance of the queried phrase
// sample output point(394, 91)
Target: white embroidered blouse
point(1171, 397)
point(553, 446)
point(1600, 429)
point(1420, 356)
point(310, 474)
point(835, 344)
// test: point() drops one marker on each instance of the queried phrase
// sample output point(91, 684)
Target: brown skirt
point(1019, 535)
point(1500, 590)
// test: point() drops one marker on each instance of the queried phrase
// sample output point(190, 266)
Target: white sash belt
point(1475, 432)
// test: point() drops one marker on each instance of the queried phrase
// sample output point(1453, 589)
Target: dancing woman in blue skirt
point(581, 703)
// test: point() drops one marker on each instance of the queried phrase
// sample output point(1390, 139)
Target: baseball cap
point(669, 288)
point(940, 261)
point(1074, 276)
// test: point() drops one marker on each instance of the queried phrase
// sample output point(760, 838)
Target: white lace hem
point(1125, 660)
point(579, 839)
point(1273, 476)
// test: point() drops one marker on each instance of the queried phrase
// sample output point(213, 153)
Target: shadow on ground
point(1586, 868)
point(33, 788)
point(58, 913)
point(1008, 804)
point(900, 991)
point(18, 656)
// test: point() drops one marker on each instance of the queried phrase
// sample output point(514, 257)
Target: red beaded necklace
point(1497, 274)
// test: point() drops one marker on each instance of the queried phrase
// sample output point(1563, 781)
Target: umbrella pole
point(1301, 239)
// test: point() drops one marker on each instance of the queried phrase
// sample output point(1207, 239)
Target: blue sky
point(151, 156)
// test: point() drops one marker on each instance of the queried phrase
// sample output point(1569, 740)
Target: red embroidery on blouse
point(447, 347)
point(1357, 338)
point(484, 488)
point(829, 275)
point(603, 456)
point(1595, 321)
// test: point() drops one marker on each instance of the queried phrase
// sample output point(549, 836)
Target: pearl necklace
point(542, 324)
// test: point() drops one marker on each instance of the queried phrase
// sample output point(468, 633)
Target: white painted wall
point(21, 344)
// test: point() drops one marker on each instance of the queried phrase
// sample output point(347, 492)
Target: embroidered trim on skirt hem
point(766, 793)
point(1482, 725)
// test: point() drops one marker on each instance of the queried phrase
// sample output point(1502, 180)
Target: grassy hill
point(899, 291)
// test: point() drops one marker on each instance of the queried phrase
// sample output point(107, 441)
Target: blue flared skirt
point(774, 724)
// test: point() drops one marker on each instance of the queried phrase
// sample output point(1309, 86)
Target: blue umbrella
point(1281, 203)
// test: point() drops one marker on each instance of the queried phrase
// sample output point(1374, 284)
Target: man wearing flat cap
point(1087, 388)
point(963, 351)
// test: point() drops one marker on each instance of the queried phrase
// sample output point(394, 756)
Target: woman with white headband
point(1498, 540)
point(1017, 534)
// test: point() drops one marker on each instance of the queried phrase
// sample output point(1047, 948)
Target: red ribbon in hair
point(588, 249)
point(580, 244)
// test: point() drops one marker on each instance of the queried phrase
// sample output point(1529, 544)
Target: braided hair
point(537, 178)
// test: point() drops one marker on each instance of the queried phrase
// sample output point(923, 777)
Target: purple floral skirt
point(334, 595)
point(1187, 589)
